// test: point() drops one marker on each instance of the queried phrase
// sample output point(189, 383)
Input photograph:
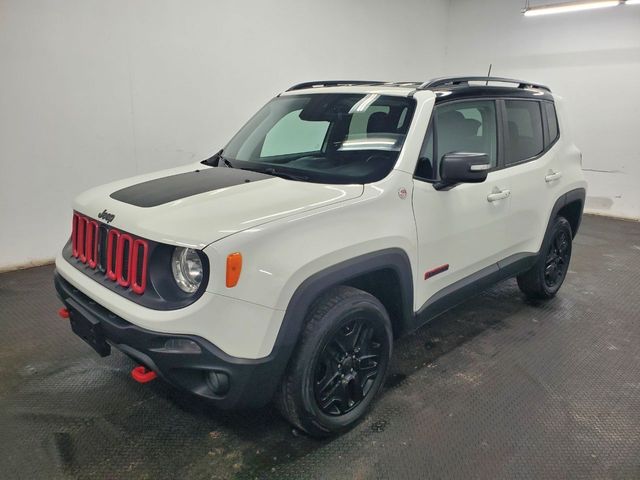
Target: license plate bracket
point(90, 330)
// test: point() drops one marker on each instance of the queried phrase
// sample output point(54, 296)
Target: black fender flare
point(578, 194)
point(395, 259)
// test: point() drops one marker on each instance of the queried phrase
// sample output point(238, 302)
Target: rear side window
point(552, 122)
point(524, 130)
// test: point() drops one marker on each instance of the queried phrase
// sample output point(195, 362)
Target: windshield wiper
point(289, 176)
point(215, 160)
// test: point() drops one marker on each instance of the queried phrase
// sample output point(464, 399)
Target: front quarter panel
point(279, 256)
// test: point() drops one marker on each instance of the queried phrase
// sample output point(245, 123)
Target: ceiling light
point(570, 7)
point(632, 2)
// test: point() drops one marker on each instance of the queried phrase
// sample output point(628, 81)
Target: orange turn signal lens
point(234, 267)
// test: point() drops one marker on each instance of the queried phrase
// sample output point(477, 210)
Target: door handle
point(553, 176)
point(501, 195)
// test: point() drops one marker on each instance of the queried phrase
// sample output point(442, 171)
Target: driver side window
point(468, 126)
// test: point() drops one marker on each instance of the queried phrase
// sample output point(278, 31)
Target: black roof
point(489, 91)
point(449, 88)
point(451, 81)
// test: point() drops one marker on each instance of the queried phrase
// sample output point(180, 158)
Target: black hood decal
point(168, 189)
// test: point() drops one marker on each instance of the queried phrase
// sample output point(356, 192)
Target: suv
point(343, 215)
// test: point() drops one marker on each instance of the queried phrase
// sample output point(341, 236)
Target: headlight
point(187, 269)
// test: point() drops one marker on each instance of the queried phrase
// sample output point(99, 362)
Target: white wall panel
point(592, 59)
point(92, 91)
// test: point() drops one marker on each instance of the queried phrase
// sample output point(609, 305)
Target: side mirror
point(463, 167)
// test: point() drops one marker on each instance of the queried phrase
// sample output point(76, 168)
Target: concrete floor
point(497, 388)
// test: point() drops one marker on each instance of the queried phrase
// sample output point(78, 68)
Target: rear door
point(531, 132)
point(462, 230)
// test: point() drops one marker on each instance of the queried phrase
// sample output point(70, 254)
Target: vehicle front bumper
point(251, 382)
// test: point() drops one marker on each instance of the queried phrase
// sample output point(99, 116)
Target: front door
point(461, 231)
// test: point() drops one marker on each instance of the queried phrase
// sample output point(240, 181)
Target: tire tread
point(531, 282)
point(285, 396)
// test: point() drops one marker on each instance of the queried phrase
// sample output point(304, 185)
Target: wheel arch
point(570, 206)
point(369, 272)
point(572, 211)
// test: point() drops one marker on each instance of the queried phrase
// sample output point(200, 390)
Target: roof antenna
point(489, 74)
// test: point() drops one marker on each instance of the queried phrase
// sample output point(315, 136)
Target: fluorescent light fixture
point(632, 2)
point(570, 7)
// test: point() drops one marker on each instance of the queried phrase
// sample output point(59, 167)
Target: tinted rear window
point(552, 122)
point(524, 132)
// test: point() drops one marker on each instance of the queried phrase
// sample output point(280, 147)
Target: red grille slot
point(80, 243)
point(112, 243)
point(122, 257)
point(91, 245)
point(74, 234)
point(138, 273)
point(102, 248)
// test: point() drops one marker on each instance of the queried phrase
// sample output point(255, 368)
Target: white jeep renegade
point(342, 215)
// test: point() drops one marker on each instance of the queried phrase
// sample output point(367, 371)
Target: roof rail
point(444, 81)
point(334, 83)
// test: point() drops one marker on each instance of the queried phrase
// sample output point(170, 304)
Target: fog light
point(181, 345)
point(218, 382)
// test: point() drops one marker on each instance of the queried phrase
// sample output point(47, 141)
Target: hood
point(197, 205)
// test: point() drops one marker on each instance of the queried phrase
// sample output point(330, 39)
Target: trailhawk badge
point(106, 216)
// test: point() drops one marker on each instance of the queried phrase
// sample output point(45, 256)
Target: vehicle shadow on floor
point(82, 416)
point(259, 441)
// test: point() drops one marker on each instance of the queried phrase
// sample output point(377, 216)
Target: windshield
point(324, 137)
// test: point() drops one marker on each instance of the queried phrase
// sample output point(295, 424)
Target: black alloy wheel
point(348, 366)
point(557, 261)
point(545, 277)
point(339, 364)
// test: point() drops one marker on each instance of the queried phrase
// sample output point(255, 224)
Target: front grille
point(122, 257)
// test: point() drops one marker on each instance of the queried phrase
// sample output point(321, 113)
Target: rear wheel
point(545, 278)
point(339, 364)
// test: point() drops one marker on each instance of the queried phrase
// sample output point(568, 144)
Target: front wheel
point(339, 364)
point(545, 278)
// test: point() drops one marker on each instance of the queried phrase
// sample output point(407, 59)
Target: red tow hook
point(142, 375)
point(63, 313)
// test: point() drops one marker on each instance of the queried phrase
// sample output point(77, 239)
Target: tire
point(545, 278)
point(344, 348)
